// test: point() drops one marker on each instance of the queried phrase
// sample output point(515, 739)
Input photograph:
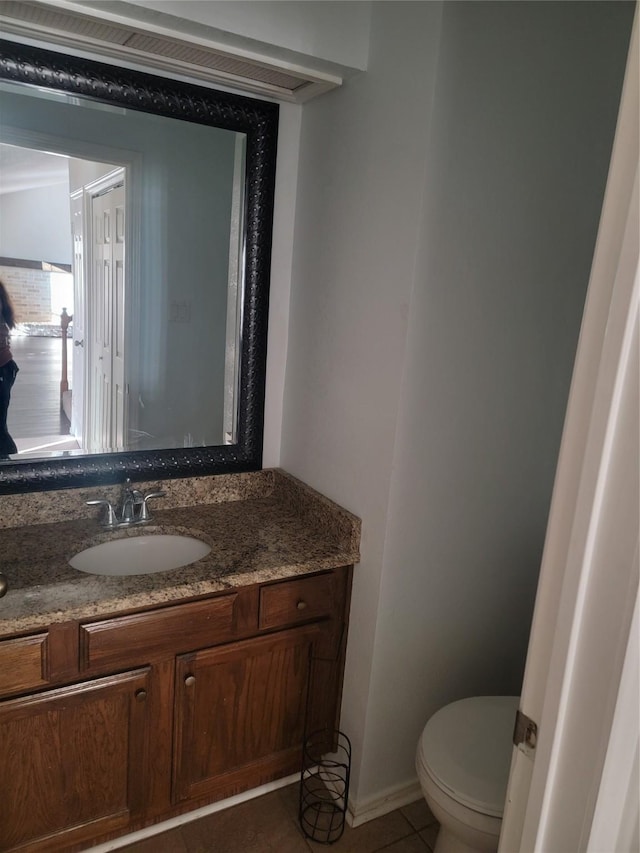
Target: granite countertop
point(262, 526)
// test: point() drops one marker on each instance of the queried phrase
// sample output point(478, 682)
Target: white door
point(118, 391)
point(77, 353)
point(567, 795)
point(105, 297)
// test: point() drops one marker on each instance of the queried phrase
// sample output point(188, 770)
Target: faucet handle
point(144, 512)
point(110, 519)
point(131, 500)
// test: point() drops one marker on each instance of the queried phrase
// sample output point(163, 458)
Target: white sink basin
point(140, 555)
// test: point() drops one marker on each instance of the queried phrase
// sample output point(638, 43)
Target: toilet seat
point(466, 748)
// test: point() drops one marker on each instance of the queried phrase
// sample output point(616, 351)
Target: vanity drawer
point(288, 602)
point(23, 663)
point(136, 639)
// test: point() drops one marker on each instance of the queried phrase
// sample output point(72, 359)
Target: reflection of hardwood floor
point(34, 411)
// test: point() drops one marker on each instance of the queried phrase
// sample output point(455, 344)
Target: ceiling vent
point(174, 50)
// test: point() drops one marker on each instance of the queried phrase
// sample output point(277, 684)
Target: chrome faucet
point(132, 502)
point(133, 509)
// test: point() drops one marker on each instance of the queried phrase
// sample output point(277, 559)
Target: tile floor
point(269, 824)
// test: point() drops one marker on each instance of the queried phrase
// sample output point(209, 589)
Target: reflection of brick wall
point(30, 292)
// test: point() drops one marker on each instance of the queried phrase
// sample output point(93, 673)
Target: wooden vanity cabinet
point(170, 709)
point(240, 713)
point(241, 709)
point(73, 762)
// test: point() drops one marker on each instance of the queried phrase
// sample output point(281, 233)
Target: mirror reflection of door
point(35, 184)
point(78, 351)
point(104, 290)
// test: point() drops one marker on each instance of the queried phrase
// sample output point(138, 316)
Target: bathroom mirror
point(183, 177)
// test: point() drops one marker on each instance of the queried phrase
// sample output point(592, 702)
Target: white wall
point(82, 172)
point(512, 202)
point(332, 30)
point(286, 189)
point(35, 225)
point(362, 157)
point(440, 265)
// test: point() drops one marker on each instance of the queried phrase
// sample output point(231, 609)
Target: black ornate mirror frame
point(259, 121)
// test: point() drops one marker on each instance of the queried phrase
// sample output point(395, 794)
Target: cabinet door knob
point(190, 680)
point(141, 695)
point(301, 605)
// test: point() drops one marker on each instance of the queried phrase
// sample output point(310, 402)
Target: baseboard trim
point(389, 801)
point(179, 820)
point(357, 814)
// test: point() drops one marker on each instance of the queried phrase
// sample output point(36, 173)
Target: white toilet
point(463, 761)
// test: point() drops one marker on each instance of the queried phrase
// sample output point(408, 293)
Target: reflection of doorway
point(104, 234)
point(35, 416)
point(30, 165)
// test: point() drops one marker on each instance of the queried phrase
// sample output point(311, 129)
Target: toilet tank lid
point(466, 747)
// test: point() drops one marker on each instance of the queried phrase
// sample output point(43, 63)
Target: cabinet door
point(73, 762)
point(240, 713)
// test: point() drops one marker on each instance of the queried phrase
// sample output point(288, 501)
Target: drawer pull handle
point(141, 695)
point(190, 680)
point(301, 605)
